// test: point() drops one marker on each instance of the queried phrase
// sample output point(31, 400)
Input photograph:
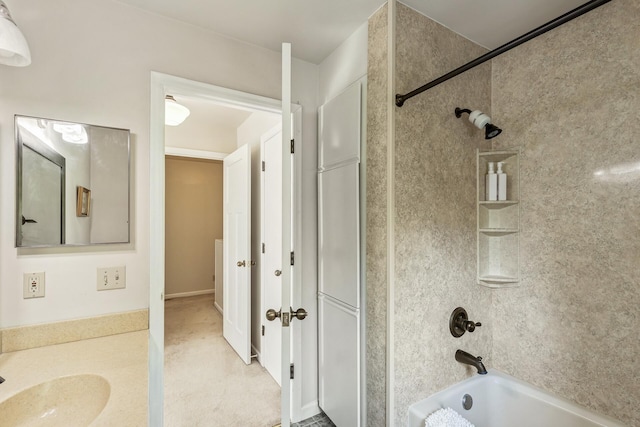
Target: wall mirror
point(72, 183)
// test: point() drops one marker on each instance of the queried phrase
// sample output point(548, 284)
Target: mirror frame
point(60, 161)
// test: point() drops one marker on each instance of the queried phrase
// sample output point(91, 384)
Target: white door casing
point(236, 243)
point(271, 198)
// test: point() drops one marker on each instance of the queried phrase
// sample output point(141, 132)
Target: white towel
point(446, 417)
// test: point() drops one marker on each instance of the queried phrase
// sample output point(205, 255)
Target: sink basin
point(65, 401)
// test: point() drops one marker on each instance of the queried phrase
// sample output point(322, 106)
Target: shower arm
point(572, 14)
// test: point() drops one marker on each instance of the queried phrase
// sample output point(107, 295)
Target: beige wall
point(435, 224)
point(193, 222)
point(570, 100)
point(376, 211)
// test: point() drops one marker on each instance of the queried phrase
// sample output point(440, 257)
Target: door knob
point(241, 263)
point(272, 314)
point(278, 272)
point(299, 314)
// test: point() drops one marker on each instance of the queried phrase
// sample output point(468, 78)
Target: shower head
point(480, 120)
point(491, 131)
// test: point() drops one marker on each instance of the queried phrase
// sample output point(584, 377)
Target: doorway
point(194, 211)
point(162, 84)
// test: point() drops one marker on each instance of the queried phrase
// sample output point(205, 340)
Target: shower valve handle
point(459, 323)
point(470, 326)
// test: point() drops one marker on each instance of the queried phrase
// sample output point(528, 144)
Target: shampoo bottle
point(491, 183)
point(502, 182)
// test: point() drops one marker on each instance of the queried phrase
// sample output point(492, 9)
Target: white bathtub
point(500, 400)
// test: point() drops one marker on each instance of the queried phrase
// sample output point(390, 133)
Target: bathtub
point(500, 400)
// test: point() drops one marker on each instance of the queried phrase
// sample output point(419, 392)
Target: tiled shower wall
point(435, 194)
point(376, 208)
point(570, 99)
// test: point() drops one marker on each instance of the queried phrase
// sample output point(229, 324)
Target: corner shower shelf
point(498, 231)
point(498, 279)
point(498, 226)
point(497, 204)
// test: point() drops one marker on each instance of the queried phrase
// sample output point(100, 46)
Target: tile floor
point(320, 420)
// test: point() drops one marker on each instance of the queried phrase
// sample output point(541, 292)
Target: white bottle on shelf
point(502, 182)
point(491, 183)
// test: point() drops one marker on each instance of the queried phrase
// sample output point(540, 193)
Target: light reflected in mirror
point(72, 183)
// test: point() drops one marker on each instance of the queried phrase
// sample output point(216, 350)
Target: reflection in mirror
point(72, 183)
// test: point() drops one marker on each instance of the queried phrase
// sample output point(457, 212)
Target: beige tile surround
point(569, 100)
point(376, 240)
point(32, 336)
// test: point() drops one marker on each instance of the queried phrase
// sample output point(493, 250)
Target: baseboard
point(217, 306)
point(189, 294)
point(308, 411)
point(25, 337)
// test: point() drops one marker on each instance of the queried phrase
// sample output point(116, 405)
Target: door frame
point(161, 85)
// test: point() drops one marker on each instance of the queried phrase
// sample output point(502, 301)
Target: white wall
point(250, 131)
point(91, 63)
point(344, 66)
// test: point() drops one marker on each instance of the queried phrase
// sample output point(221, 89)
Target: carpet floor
point(205, 381)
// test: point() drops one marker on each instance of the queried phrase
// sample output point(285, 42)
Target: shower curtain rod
point(580, 10)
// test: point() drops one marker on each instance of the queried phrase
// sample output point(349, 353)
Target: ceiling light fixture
point(14, 49)
point(480, 120)
point(174, 113)
point(72, 132)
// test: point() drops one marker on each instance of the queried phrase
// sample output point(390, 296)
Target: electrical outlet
point(33, 285)
point(111, 278)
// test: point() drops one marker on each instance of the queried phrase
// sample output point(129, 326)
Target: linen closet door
point(339, 281)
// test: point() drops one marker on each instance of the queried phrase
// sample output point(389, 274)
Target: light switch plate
point(111, 278)
point(33, 285)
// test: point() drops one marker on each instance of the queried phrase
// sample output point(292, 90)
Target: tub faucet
point(476, 362)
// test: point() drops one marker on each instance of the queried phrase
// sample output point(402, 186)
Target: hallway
point(206, 383)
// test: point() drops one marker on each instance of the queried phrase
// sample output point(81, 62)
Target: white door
point(286, 221)
point(42, 185)
point(271, 149)
point(236, 239)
